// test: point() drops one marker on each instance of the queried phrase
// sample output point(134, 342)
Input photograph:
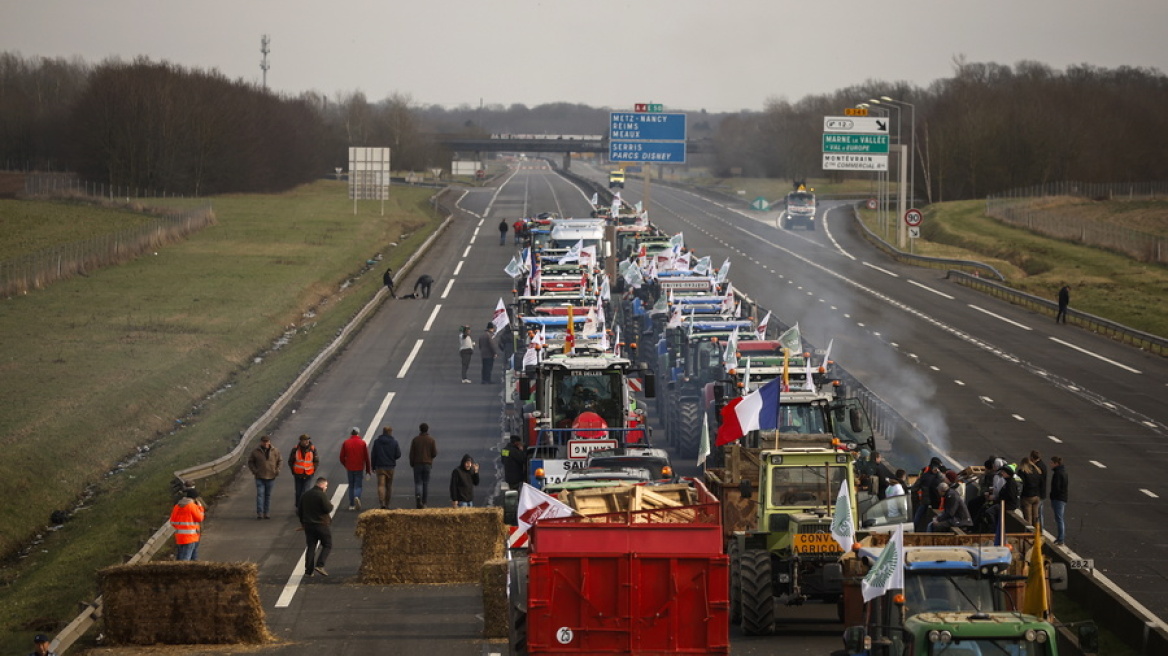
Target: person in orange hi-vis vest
point(187, 520)
point(302, 461)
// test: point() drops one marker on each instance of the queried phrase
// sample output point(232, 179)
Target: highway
point(977, 375)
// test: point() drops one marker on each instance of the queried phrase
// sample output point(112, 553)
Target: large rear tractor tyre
point(758, 594)
point(735, 554)
point(689, 428)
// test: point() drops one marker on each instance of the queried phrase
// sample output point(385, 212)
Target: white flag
point(843, 524)
point(677, 241)
point(704, 445)
point(792, 341)
point(702, 267)
point(616, 343)
point(722, 273)
point(514, 268)
point(605, 289)
point(762, 326)
point(573, 254)
point(730, 356)
point(535, 505)
point(590, 322)
point(888, 571)
point(500, 319)
point(530, 357)
point(595, 200)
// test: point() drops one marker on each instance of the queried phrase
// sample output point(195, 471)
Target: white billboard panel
point(368, 173)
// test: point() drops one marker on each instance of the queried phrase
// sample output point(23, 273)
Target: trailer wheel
point(517, 606)
point(758, 593)
point(689, 428)
point(735, 553)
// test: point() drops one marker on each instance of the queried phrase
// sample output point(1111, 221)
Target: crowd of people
point(943, 498)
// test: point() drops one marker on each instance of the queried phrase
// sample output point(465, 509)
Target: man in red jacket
point(355, 458)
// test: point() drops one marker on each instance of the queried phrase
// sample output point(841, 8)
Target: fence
point(35, 270)
point(1023, 208)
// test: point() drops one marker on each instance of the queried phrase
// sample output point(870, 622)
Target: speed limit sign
point(871, 203)
point(913, 217)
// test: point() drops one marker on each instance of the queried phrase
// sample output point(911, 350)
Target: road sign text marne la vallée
point(855, 143)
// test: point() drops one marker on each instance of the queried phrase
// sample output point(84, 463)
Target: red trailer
point(643, 582)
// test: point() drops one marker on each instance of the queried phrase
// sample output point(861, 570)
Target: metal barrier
point(92, 612)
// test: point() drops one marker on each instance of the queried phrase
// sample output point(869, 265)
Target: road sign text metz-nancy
point(625, 126)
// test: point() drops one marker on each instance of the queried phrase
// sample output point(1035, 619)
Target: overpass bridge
point(546, 143)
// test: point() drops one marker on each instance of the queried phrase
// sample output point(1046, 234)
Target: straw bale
point(182, 603)
point(429, 546)
point(495, 620)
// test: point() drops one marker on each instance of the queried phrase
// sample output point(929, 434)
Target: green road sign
point(855, 143)
point(760, 204)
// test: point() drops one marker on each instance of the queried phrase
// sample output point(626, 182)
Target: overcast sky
point(685, 54)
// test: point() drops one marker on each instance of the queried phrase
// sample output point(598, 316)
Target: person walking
point(465, 350)
point(385, 453)
point(488, 351)
point(423, 450)
point(514, 458)
point(302, 461)
point(355, 458)
point(264, 464)
point(387, 280)
point(517, 229)
point(1059, 482)
point(463, 480)
point(187, 519)
point(1064, 299)
point(315, 517)
point(503, 232)
point(424, 282)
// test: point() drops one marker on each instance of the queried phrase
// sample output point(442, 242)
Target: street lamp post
point(901, 202)
point(913, 135)
point(881, 184)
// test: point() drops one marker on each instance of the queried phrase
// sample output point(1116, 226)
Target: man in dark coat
point(316, 517)
point(387, 280)
point(424, 282)
point(488, 351)
point(384, 454)
point(924, 493)
point(463, 480)
point(1059, 482)
point(514, 458)
point(1064, 299)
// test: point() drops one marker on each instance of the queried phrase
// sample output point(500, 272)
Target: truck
point(800, 209)
point(643, 580)
point(616, 179)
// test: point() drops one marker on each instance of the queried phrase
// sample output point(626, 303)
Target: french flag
point(758, 410)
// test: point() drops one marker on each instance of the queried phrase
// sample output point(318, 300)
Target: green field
point(166, 358)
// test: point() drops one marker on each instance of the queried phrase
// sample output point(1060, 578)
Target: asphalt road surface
point(979, 376)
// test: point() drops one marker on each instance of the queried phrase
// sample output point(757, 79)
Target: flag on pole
point(616, 343)
point(530, 356)
point(703, 266)
point(724, 271)
point(792, 340)
point(513, 268)
point(590, 322)
point(762, 326)
point(605, 289)
point(730, 355)
point(704, 445)
point(677, 241)
point(888, 571)
point(573, 254)
point(843, 523)
point(595, 200)
point(758, 410)
point(638, 207)
point(499, 319)
point(535, 505)
point(1037, 599)
point(827, 354)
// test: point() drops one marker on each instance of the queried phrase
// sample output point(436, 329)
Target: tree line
point(985, 129)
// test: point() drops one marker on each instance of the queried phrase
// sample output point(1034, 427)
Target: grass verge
point(165, 360)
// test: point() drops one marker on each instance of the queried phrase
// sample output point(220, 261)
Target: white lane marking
point(873, 266)
point(959, 382)
point(934, 367)
point(1054, 439)
point(458, 267)
point(409, 360)
point(985, 399)
point(831, 237)
point(1018, 417)
point(446, 292)
point(929, 289)
point(430, 321)
point(298, 569)
point(1150, 493)
point(466, 251)
point(1098, 464)
point(1095, 355)
point(1000, 317)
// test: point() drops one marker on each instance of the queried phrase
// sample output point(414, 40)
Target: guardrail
point(92, 612)
point(921, 260)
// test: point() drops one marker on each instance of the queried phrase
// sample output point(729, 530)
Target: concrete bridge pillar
point(567, 160)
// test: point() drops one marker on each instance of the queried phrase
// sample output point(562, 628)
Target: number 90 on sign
point(913, 217)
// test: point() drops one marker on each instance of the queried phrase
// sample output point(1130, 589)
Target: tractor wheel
point(688, 428)
point(758, 594)
point(735, 553)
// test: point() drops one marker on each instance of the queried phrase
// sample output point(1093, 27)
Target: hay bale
point(181, 603)
point(495, 620)
point(429, 546)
